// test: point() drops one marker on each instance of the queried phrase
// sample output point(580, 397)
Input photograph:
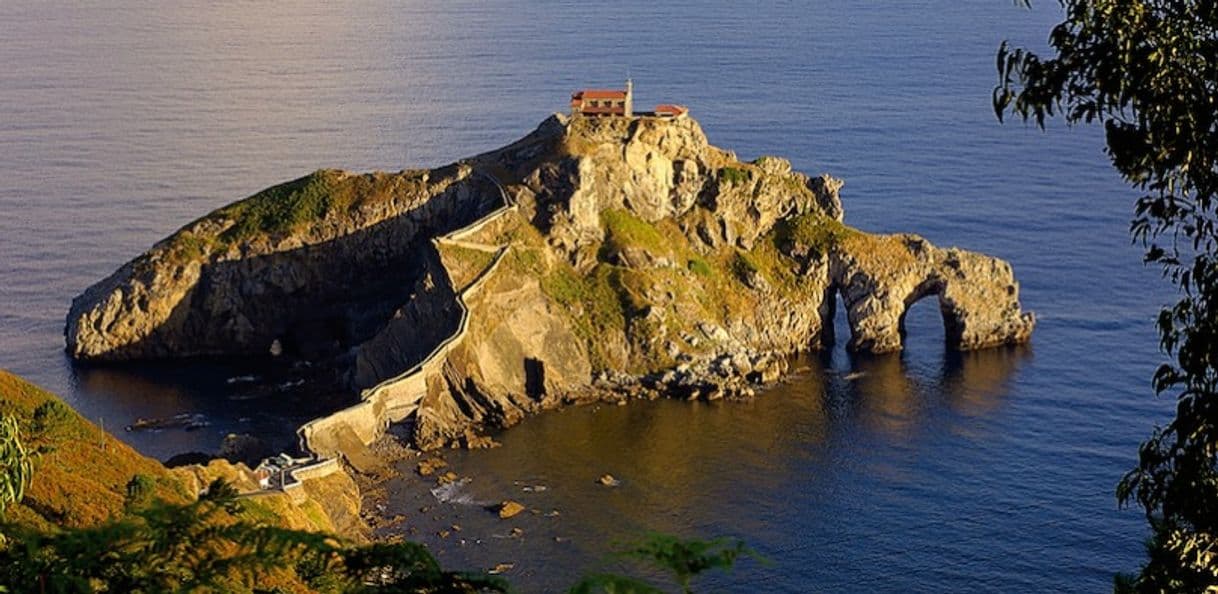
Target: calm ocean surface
point(121, 121)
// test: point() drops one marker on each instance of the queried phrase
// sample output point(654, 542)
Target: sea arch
point(977, 295)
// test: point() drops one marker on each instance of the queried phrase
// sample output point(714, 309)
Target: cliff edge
point(593, 258)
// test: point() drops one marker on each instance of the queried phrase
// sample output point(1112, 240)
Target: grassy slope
point(81, 474)
point(290, 207)
point(464, 264)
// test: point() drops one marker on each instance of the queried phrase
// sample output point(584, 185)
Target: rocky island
point(595, 258)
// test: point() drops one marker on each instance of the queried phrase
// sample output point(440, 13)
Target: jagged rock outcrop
point(657, 169)
point(609, 256)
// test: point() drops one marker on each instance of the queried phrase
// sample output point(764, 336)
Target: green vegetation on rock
point(744, 264)
point(289, 208)
point(814, 230)
point(699, 266)
point(623, 229)
point(283, 208)
point(735, 175)
point(645, 273)
point(188, 246)
point(464, 264)
point(591, 302)
point(612, 302)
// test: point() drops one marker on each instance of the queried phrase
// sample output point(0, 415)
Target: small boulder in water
point(428, 467)
point(474, 441)
point(509, 508)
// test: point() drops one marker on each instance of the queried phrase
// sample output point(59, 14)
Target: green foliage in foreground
point(16, 464)
point(1148, 71)
point(207, 546)
point(682, 559)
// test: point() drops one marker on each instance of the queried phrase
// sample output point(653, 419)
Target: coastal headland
point(593, 259)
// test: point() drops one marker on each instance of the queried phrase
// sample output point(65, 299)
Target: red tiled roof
point(670, 108)
point(599, 94)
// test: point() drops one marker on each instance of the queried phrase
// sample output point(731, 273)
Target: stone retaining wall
point(395, 399)
point(298, 476)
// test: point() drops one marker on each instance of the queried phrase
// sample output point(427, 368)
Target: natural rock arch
point(882, 329)
point(978, 296)
point(932, 288)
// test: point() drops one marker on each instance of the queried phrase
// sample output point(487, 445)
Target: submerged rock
point(429, 466)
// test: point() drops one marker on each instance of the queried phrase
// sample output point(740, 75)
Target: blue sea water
point(121, 121)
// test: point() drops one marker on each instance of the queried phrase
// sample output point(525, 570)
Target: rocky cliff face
point(633, 257)
point(316, 265)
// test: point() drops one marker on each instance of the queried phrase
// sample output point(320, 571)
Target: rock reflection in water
point(890, 395)
point(771, 470)
point(975, 382)
point(270, 405)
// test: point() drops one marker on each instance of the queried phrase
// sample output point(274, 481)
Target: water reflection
point(975, 383)
point(881, 393)
point(759, 469)
point(234, 396)
point(890, 394)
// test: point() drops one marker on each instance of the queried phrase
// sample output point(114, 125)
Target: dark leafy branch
point(1147, 70)
point(683, 559)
